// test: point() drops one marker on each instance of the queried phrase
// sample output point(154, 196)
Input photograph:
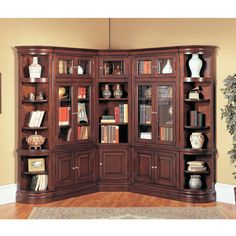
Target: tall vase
point(35, 69)
point(195, 65)
point(167, 68)
point(197, 140)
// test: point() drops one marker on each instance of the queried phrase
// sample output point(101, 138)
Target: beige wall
point(125, 33)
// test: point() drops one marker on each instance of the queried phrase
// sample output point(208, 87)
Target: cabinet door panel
point(144, 163)
point(113, 164)
point(84, 167)
point(64, 172)
point(165, 169)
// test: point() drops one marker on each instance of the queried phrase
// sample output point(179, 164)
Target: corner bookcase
point(116, 120)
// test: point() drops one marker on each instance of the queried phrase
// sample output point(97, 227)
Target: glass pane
point(64, 114)
point(83, 106)
point(145, 67)
point(65, 66)
point(165, 66)
point(84, 67)
point(165, 111)
point(113, 67)
point(144, 112)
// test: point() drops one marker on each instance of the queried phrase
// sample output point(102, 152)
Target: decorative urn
point(35, 141)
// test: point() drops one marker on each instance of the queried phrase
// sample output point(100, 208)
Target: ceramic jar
point(35, 69)
point(197, 140)
point(148, 93)
point(106, 93)
point(167, 69)
point(35, 141)
point(195, 182)
point(195, 65)
point(117, 93)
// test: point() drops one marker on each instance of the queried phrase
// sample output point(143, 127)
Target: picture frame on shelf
point(36, 164)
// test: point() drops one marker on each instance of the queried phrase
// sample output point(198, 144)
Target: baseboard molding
point(225, 193)
point(7, 194)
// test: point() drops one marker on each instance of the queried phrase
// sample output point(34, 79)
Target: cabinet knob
point(100, 163)
point(153, 167)
point(73, 168)
point(154, 112)
point(76, 167)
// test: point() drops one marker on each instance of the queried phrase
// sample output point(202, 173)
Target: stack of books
point(39, 183)
point(197, 166)
point(108, 119)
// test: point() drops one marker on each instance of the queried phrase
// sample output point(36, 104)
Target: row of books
point(121, 115)
point(145, 114)
point(144, 67)
point(109, 134)
point(166, 133)
point(82, 133)
point(64, 67)
point(196, 166)
point(146, 135)
point(165, 91)
point(36, 118)
point(39, 182)
point(197, 118)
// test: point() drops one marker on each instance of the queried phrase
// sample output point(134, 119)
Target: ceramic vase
point(167, 68)
point(117, 93)
point(106, 92)
point(197, 140)
point(195, 65)
point(195, 182)
point(35, 69)
point(35, 141)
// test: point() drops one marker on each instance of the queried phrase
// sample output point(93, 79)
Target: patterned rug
point(127, 213)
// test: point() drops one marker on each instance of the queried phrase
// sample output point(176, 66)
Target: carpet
point(127, 213)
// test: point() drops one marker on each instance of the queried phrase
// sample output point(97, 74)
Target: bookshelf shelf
point(197, 100)
point(198, 79)
point(35, 173)
point(35, 80)
point(196, 172)
point(35, 102)
point(34, 128)
point(111, 123)
point(197, 127)
point(112, 99)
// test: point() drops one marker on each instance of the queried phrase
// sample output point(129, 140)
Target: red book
point(117, 114)
point(64, 115)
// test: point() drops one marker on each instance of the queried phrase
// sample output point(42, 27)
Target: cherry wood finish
point(156, 166)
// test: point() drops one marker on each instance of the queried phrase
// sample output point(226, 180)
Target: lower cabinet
point(155, 167)
point(113, 164)
point(74, 168)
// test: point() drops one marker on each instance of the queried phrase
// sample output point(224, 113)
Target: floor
point(109, 199)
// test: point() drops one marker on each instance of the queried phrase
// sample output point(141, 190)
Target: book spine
point(193, 118)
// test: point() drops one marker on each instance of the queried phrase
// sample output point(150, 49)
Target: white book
point(32, 118)
point(38, 182)
point(40, 119)
point(125, 113)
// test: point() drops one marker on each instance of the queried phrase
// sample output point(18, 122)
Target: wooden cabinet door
point(64, 169)
point(113, 164)
point(144, 166)
point(84, 167)
point(165, 169)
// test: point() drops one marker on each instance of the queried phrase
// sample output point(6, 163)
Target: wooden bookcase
point(116, 120)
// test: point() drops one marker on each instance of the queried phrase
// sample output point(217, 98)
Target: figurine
point(39, 97)
point(117, 71)
point(194, 93)
point(106, 68)
point(31, 97)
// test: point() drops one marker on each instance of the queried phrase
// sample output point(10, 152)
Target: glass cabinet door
point(83, 67)
point(83, 112)
point(64, 114)
point(145, 112)
point(144, 67)
point(113, 67)
point(65, 66)
point(165, 113)
point(165, 66)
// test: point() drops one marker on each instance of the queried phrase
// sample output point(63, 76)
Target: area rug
point(127, 213)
